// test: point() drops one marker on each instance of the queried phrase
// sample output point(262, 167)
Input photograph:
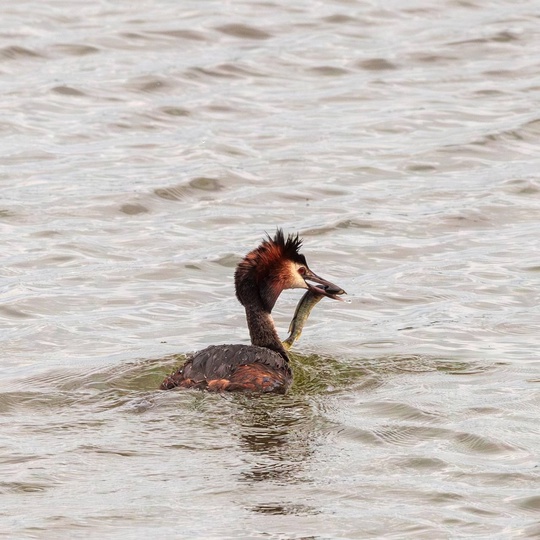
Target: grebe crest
point(265, 272)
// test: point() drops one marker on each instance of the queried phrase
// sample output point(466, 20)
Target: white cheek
point(299, 282)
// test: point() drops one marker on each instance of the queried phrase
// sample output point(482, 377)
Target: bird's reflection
point(277, 435)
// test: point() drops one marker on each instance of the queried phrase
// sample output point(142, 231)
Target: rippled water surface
point(147, 146)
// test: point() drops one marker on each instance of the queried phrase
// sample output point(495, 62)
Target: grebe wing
point(233, 368)
point(219, 361)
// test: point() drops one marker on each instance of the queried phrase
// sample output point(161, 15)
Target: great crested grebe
point(262, 366)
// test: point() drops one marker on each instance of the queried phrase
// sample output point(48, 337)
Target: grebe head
point(275, 265)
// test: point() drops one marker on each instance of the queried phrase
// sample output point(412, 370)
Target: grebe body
point(263, 366)
point(233, 368)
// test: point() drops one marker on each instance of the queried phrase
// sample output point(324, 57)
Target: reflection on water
point(269, 449)
point(280, 509)
point(277, 436)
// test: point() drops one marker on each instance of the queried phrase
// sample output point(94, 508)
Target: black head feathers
point(289, 247)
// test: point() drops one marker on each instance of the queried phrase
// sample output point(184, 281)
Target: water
point(147, 146)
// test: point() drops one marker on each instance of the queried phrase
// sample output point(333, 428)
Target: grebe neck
point(262, 330)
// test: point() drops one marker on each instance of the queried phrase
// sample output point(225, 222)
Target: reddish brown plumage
point(259, 378)
point(245, 378)
point(267, 270)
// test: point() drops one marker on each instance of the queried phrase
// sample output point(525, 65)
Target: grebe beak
point(326, 288)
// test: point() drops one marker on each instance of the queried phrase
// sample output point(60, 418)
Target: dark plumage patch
point(274, 251)
point(289, 247)
point(233, 368)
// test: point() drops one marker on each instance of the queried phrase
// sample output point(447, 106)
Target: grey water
point(147, 146)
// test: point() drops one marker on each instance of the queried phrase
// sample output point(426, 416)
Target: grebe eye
point(301, 270)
